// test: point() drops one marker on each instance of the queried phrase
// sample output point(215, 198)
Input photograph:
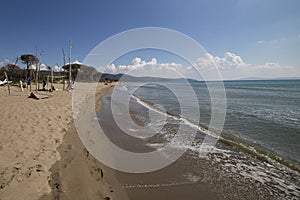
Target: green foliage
point(14, 72)
point(29, 59)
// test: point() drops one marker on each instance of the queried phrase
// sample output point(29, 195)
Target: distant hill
point(287, 78)
point(277, 78)
point(128, 78)
point(253, 78)
point(91, 74)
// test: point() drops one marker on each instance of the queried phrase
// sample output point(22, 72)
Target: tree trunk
point(26, 81)
point(37, 77)
point(7, 82)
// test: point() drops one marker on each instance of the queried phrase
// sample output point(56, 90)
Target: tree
point(74, 69)
point(2, 70)
point(13, 72)
point(29, 59)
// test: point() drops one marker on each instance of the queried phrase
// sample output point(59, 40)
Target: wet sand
point(190, 177)
point(78, 175)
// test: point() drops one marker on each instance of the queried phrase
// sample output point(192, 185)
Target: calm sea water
point(266, 113)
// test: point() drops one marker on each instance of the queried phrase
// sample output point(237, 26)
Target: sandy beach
point(31, 131)
point(31, 165)
point(43, 158)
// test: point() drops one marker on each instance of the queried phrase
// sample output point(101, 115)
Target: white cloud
point(141, 67)
point(57, 68)
point(75, 62)
point(44, 67)
point(4, 62)
point(230, 66)
point(260, 41)
point(229, 61)
point(32, 66)
point(272, 65)
point(269, 65)
point(278, 41)
point(112, 68)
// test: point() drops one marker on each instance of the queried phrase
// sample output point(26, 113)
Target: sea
point(260, 138)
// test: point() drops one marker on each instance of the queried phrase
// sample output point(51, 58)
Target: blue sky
point(261, 33)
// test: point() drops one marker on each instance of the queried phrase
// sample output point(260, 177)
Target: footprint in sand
point(101, 173)
point(39, 168)
point(86, 152)
point(19, 178)
point(56, 140)
point(18, 166)
point(22, 127)
point(28, 173)
point(69, 146)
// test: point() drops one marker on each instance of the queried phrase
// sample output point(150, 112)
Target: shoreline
point(236, 142)
point(78, 175)
point(234, 175)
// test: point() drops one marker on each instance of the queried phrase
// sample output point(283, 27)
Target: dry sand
point(31, 131)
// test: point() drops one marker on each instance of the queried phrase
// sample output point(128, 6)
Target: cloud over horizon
point(151, 68)
point(229, 61)
point(4, 62)
point(231, 66)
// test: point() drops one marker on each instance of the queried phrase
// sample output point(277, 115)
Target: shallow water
point(261, 115)
point(266, 113)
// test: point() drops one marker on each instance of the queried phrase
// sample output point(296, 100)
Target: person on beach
point(44, 84)
point(29, 83)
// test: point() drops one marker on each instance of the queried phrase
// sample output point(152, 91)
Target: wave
point(256, 150)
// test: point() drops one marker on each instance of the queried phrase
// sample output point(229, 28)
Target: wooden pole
point(37, 63)
point(40, 60)
point(51, 78)
point(14, 68)
point(26, 75)
point(21, 85)
point(64, 60)
point(48, 83)
point(7, 82)
point(70, 68)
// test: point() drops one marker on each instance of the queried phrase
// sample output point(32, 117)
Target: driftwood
point(38, 96)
